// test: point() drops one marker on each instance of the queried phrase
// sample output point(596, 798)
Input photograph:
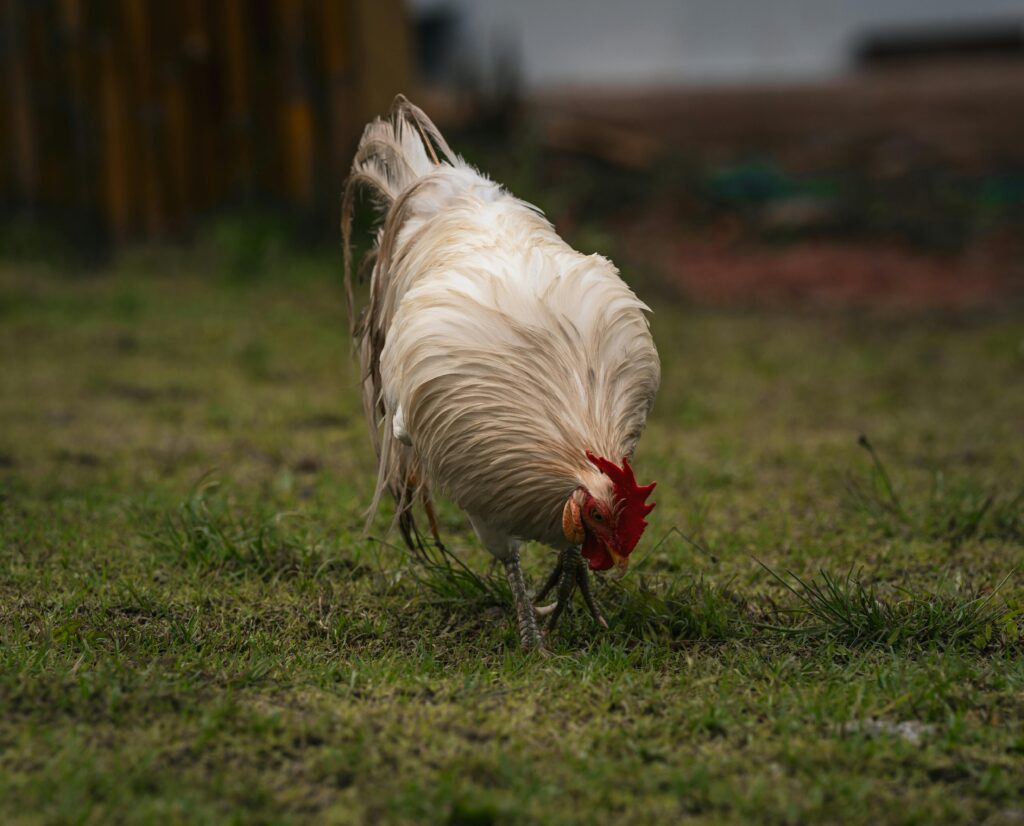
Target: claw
point(552, 580)
point(570, 573)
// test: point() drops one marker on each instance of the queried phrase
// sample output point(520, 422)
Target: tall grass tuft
point(674, 610)
point(846, 610)
point(449, 581)
point(205, 532)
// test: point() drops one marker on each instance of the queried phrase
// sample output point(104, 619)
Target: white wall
point(564, 42)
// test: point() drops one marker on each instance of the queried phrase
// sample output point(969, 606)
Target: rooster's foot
point(569, 574)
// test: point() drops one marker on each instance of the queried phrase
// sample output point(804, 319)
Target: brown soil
point(835, 274)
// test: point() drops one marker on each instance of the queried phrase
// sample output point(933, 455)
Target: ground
point(195, 628)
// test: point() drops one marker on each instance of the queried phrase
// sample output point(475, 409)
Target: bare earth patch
point(721, 272)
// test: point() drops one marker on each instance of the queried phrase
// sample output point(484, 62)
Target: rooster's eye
point(596, 516)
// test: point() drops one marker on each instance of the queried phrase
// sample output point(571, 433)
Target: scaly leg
point(566, 585)
point(583, 580)
point(529, 633)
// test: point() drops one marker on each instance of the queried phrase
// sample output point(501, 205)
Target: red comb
point(630, 498)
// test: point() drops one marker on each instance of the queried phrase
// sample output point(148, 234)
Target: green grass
point(193, 627)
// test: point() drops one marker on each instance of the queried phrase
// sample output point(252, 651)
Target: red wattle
point(596, 554)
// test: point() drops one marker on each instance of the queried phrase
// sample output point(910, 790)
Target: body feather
point(493, 355)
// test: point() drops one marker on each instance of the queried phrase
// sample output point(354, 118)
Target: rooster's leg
point(529, 634)
point(566, 584)
point(583, 580)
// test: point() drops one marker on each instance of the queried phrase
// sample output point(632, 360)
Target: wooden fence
point(132, 117)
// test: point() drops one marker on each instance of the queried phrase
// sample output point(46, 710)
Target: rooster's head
point(608, 526)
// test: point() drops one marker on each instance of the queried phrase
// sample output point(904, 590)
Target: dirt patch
point(722, 271)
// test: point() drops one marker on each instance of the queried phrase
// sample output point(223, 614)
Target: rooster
point(498, 365)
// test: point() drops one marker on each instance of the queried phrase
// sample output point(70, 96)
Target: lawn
point(818, 627)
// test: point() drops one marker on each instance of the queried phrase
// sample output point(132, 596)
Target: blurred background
point(823, 203)
point(730, 151)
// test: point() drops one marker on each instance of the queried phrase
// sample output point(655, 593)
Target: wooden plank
point(296, 111)
point(168, 114)
point(147, 113)
point(236, 71)
point(72, 22)
point(202, 116)
point(343, 128)
point(384, 44)
point(23, 127)
point(197, 118)
point(53, 148)
point(144, 113)
point(115, 134)
point(6, 149)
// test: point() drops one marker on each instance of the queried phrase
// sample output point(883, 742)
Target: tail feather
point(394, 153)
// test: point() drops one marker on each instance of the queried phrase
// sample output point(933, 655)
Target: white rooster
point(498, 364)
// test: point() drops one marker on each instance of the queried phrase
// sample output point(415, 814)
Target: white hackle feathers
point(493, 355)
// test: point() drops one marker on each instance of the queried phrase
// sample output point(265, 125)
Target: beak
point(621, 562)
